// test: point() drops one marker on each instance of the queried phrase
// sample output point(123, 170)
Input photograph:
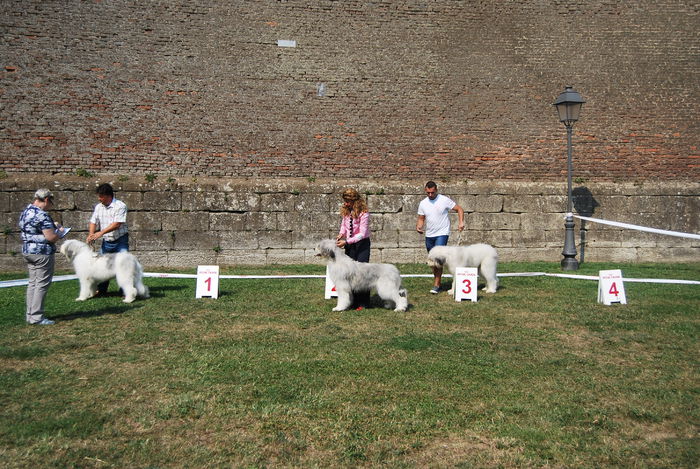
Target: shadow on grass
point(93, 314)
point(160, 291)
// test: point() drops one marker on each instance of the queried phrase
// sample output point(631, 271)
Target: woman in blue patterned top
point(39, 235)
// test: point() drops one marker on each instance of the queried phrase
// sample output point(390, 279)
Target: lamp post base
point(569, 263)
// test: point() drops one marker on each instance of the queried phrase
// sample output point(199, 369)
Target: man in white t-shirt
point(434, 221)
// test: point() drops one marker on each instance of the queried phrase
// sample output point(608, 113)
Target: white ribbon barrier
point(59, 278)
point(640, 228)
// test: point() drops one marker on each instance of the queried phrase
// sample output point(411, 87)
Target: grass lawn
point(538, 374)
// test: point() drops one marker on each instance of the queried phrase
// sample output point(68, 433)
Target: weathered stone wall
point(412, 89)
point(188, 222)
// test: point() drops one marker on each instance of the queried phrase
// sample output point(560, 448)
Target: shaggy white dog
point(350, 276)
point(92, 270)
point(483, 256)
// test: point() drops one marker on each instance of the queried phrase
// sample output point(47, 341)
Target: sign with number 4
point(207, 281)
point(611, 289)
point(466, 283)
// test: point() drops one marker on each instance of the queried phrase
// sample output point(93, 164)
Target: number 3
point(468, 286)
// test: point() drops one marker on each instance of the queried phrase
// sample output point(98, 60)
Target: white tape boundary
point(60, 278)
point(640, 228)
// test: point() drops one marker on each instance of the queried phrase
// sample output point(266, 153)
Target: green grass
point(538, 374)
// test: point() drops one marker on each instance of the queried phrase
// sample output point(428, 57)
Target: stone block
point(167, 201)
point(471, 203)
point(488, 203)
point(79, 221)
point(185, 221)
point(275, 239)
point(225, 221)
point(309, 239)
point(200, 201)
point(152, 240)
point(315, 203)
point(19, 200)
point(307, 221)
point(243, 257)
point(261, 221)
point(492, 221)
point(401, 256)
point(4, 202)
point(398, 221)
point(196, 241)
point(535, 205)
point(410, 239)
point(152, 261)
point(11, 243)
point(238, 241)
point(243, 202)
point(145, 221)
point(86, 200)
point(385, 239)
point(286, 256)
point(8, 221)
point(385, 203)
point(278, 202)
point(192, 258)
point(135, 200)
point(13, 262)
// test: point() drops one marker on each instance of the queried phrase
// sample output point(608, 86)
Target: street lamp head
point(569, 105)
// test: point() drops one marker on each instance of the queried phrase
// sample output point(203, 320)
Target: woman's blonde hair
point(358, 203)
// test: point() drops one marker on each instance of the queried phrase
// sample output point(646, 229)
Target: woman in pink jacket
point(354, 233)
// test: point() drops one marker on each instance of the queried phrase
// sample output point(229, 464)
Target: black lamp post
point(569, 105)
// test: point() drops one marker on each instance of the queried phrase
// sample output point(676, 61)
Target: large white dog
point(350, 276)
point(92, 270)
point(483, 256)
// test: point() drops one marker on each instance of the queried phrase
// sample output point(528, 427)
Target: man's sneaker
point(45, 322)
point(435, 290)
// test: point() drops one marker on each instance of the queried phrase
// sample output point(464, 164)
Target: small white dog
point(483, 256)
point(350, 276)
point(92, 270)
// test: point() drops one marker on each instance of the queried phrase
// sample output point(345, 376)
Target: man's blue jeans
point(118, 245)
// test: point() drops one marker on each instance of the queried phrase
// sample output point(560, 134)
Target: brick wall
point(411, 89)
point(185, 223)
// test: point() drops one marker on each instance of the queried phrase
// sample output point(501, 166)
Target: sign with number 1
point(207, 281)
point(466, 283)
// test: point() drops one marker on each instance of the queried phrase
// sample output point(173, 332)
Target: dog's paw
point(80, 299)
point(451, 291)
point(129, 299)
point(487, 290)
point(400, 310)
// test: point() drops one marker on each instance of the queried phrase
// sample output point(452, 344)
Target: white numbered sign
point(611, 289)
point(207, 281)
point(330, 288)
point(466, 283)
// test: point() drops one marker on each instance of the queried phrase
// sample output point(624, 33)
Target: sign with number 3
point(466, 283)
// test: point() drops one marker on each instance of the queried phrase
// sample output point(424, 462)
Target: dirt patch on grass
point(475, 450)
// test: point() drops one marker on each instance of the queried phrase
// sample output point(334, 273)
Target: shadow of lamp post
point(569, 105)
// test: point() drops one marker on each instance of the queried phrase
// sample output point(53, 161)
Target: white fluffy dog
point(350, 276)
point(92, 270)
point(483, 256)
